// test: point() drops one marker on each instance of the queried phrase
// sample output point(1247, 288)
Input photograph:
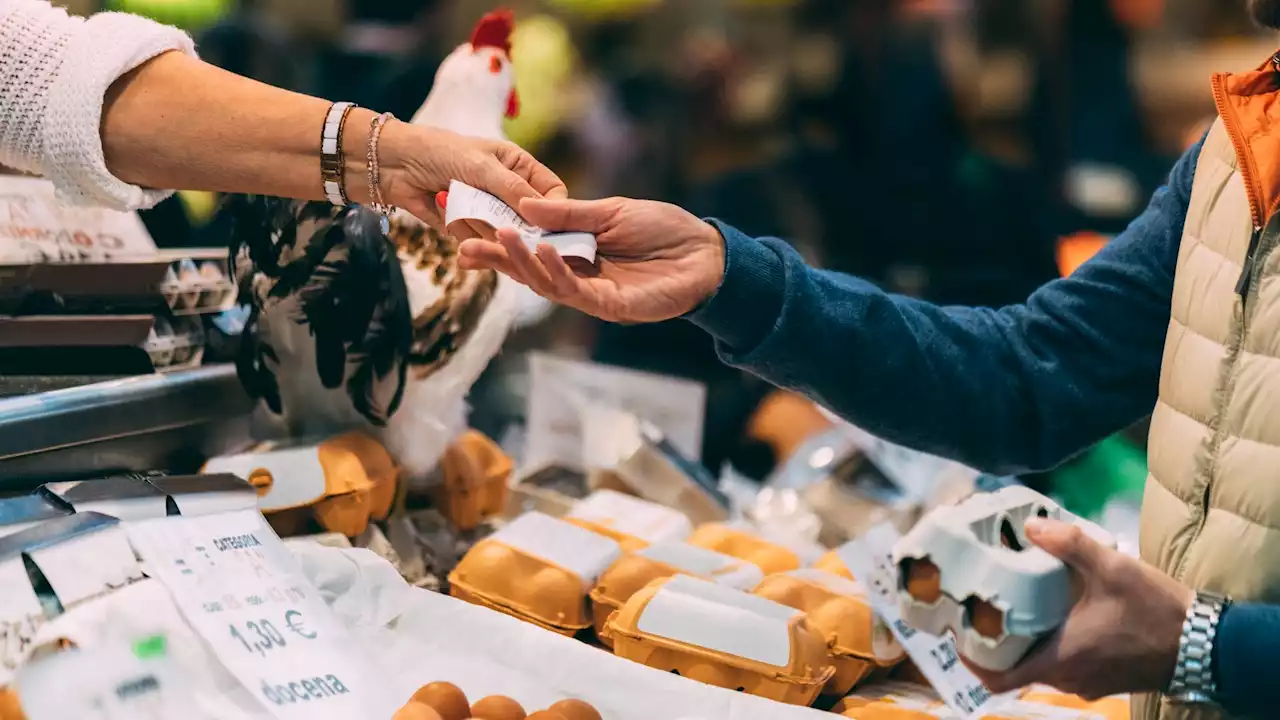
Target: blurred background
point(964, 151)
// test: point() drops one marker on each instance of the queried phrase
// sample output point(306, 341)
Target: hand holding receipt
point(466, 203)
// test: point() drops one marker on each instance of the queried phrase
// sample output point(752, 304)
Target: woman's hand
point(418, 162)
point(654, 261)
point(1121, 636)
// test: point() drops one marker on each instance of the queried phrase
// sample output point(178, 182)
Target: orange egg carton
point(632, 522)
point(632, 572)
point(723, 637)
point(538, 569)
point(769, 557)
point(831, 562)
point(343, 481)
point(860, 642)
point(476, 472)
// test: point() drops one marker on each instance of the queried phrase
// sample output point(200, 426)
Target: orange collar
point(1249, 105)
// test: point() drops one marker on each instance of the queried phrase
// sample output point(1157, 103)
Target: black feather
point(346, 287)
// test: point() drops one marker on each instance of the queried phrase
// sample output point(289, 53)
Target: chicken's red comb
point(494, 31)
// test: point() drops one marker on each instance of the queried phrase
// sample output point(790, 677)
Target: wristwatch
point(1193, 675)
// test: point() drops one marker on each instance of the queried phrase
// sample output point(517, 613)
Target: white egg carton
point(197, 282)
point(982, 555)
point(176, 344)
point(630, 515)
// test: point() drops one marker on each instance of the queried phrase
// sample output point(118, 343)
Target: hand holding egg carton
point(969, 568)
point(197, 281)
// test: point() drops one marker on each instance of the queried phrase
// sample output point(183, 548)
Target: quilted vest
point(1211, 512)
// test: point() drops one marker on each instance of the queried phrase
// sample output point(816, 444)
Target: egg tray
point(198, 282)
point(723, 637)
point(177, 344)
point(969, 568)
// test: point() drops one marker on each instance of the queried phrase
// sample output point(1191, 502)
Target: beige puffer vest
point(1211, 515)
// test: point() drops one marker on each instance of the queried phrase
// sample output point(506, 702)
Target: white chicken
point(352, 328)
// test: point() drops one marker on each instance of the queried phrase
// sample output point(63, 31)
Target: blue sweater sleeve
point(1009, 390)
point(1244, 654)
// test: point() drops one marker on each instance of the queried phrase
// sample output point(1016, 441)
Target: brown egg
point(987, 619)
point(547, 715)
point(575, 709)
point(497, 707)
point(416, 711)
point(924, 580)
point(446, 699)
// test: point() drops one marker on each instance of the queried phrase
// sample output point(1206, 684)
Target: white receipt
point(468, 203)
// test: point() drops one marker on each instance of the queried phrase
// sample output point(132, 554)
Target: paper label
point(36, 228)
point(648, 521)
point(869, 558)
point(297, 477)
point(555, 424)
point(468, 203)
point(115, 683)
point(242, 590)
point(720, 619)
point(578, 550)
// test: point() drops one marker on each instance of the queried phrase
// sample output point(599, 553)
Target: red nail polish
point(442, 199)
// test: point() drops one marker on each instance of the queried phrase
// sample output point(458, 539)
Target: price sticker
point(869, 558)
point(240, 588)
point(468, 203)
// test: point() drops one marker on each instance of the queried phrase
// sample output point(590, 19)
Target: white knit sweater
point(54, 73)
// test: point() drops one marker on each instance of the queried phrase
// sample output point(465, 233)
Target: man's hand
point(1121, 636)
point(654, 261)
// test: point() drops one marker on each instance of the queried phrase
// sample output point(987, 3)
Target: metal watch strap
point(332, 161)
point(1193, 675)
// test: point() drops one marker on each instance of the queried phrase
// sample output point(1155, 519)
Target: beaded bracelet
point(332, 159)
point(375, 175)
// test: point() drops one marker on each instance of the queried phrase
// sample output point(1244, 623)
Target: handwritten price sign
point(36, 228)
point(241, 589)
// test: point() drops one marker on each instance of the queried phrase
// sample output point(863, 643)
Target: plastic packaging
point(662, 560)
point(632, 522)
point(476, 472)
point(838, 608)
point(723, 637)
point(538, 569)
point(969, 568)
point(769, 557)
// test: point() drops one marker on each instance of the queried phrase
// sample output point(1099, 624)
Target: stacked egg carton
point(196, 283)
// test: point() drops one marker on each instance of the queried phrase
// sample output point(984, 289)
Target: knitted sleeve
point(55, 69)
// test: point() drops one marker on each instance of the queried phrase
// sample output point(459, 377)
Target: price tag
point(869, 558)
point(241, 589)
point(468, 203)
point(110, 683)
point(36, 228)
point(555, 425)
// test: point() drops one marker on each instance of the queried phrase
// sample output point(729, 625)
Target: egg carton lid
point(981, 551)
point(720, 619)
point(583, 553)
point(633, 516)
point(723, 569)
point(884, 647)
